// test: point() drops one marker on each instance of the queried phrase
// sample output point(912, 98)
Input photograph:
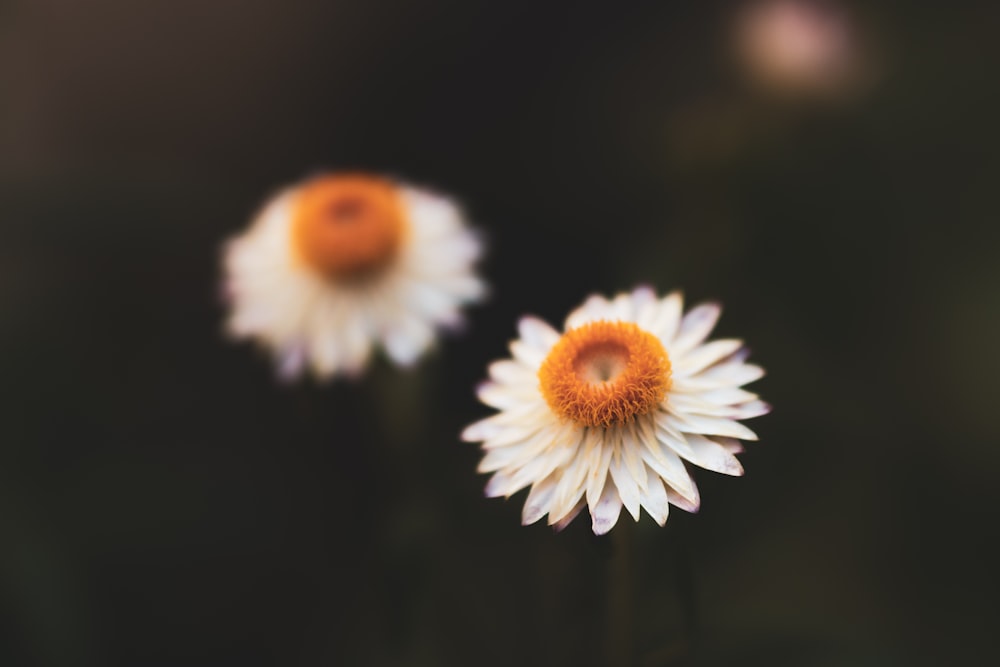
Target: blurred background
point(829, 175)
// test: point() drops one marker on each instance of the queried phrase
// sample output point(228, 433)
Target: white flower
point(796, 45)
point(344, 261)
point(606, 414)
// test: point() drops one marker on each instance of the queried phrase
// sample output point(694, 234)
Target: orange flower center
point(605, 373)
point(347, 225)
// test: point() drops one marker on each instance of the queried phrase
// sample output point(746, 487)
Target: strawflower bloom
point(610, 412)
point(344, 261)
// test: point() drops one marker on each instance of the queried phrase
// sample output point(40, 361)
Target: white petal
point(431, 214)
point(523, 434)
point(713, 456)
point(622, 308)
point(704, 356)
point(325, 345)
point(503, 397)
point(572, 514)
point(721, 376)
point(535, 452)
point(750, 410)
point(695, 326)
point(291, 362)
point(549, 451)
point(670, 468)
point(539, 500)
point(694, 423)
point(728, 396)
point(693, 403)
point(658, 455)
point(596, 307)
point(686, 504)
point(530, 356)
point(628, 489)
point(428, 301)
point(537, 333)
point(646, 315)
point(512, 373)
point(597, 476)
point(641, 297)
point(732, 445)
point(407, 339)
point(631, 450)
point(669, 318)
point(569, 489)
point(357, 344)
point(525, 419)
point(604, 514)
point(500, 485)
point(654, 498)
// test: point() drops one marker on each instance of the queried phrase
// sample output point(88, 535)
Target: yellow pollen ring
point(347, 225)
point(605, 373)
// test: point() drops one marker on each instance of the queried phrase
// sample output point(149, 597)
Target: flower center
point(347, 225)
point(605, 373)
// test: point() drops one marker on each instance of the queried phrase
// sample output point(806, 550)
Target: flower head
point(344, 261)
point(608, 414)
point(797, 45)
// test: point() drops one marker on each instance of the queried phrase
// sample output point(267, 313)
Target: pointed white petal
point(407, 340)
point(528, 355)
point(572, 514)
point(509, 425)
point(570, 488)
point(713, 456)
point(539, 500)
point(694, 423)
point(497, 396)
point(499, 458)
point(694, 403)
point(642, 296)
point(728, 396)
point(596, 307)
point(749, 410)
point(720, 376)
point(550, 450)
point(668, 319)
point(510, 372)
point(597, 476)
point(695, 326)
point(622, 308)
point(500, 485)
point(631, 449)
point(291, 362)
point(604, 514)
point(704, 356)
point(691, 505)
point(654, 498)
point(537, 333)
point(628, 489)
point(658, 455)
point(732, 445)
point(357, 344)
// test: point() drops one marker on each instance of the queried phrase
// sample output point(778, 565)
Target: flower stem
point(621, 636)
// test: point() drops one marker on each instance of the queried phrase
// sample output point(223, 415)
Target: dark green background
point(164, 501)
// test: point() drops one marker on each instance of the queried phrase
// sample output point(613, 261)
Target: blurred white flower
point(345, 261)
point(797, 45)
point(606, 414)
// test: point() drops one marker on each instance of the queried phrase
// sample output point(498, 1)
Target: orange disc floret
point(347, 225)
point(605, 373)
